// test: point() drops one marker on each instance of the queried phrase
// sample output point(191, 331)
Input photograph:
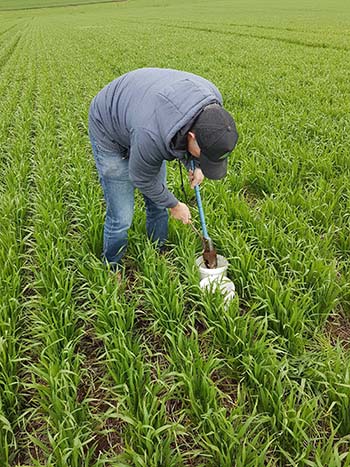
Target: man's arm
point(144, 172)
point(144, 169)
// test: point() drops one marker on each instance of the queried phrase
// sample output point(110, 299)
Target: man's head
point(212, 138)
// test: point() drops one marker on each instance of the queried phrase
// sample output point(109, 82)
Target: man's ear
point(191, 135)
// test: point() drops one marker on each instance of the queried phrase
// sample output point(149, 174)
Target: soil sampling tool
point(209, 252)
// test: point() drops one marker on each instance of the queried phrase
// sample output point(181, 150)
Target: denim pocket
point(111, 165)
point(104, 150)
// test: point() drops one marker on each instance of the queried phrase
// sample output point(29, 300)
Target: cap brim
point(214, 170)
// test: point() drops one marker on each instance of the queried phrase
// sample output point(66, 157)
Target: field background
point(152, 372)
point(10, 5)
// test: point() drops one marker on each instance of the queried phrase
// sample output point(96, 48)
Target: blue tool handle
point(200, 206)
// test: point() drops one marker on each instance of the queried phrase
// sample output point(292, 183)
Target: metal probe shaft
point(209, 253)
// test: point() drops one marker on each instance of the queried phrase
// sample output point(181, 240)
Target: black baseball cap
point(216, 135)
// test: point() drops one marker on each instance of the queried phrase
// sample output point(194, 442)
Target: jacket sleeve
point(145, 162)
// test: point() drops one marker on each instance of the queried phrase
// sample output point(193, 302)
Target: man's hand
point(181, 212)
point(195, 178)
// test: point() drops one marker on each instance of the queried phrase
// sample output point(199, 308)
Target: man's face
point(192, 145)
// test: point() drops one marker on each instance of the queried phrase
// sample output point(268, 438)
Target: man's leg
point(119, 196)
point(157, 217)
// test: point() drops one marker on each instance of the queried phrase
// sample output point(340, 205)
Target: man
point(139, 121)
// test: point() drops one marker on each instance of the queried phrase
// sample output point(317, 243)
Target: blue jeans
point(113, 170)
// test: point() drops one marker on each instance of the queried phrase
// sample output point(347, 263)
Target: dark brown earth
point(338, 328)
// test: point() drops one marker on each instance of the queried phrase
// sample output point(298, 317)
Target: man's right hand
point(181, 212)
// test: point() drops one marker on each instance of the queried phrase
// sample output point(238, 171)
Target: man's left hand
point(195, 178)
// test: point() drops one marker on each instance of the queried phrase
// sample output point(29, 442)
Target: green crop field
point(8, 5)
point(152, 372)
